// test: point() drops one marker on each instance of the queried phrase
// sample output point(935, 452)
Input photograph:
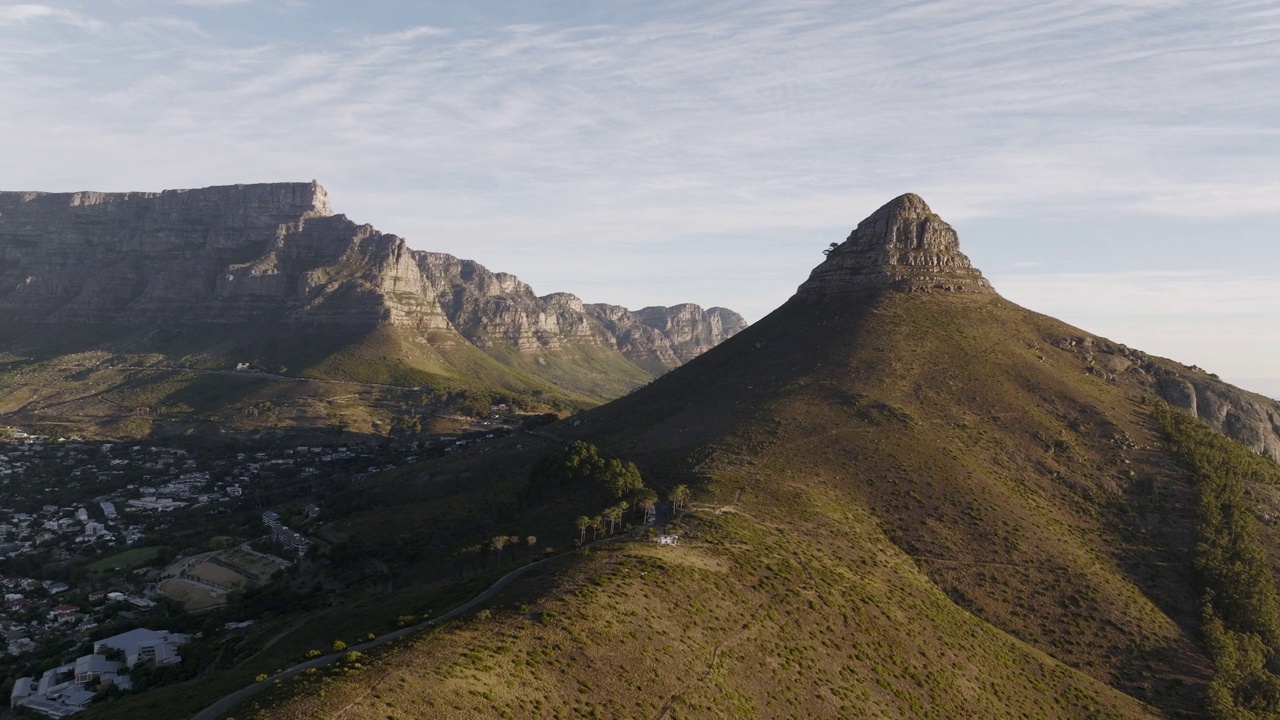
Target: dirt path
point(715, 656)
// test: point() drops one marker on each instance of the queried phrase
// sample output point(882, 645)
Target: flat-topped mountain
point(267, 276)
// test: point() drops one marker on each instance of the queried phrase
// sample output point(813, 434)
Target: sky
point(1113, 164)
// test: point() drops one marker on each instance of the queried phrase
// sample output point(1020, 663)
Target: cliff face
point(211, 254)
point(691, 329)
point(1250, 419)
point(902, 246)
point(277, 251)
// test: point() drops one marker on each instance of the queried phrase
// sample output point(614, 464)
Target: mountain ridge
point(914, 499)
point(275, 259)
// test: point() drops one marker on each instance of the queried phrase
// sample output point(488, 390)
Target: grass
point(913, 507)
point(133, 382)
point(127, 560)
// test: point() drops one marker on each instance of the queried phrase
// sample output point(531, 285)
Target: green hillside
point(136, 381)
point(904, 506)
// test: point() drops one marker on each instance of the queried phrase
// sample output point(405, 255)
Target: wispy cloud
point(1089, 103)
point(212, 3)
point(729, 140)
point(26, 14)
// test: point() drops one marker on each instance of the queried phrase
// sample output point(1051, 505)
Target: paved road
point(220, 707)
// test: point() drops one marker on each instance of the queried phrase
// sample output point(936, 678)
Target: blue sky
point(1115, 164)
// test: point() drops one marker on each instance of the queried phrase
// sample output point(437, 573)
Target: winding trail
point(715, 656)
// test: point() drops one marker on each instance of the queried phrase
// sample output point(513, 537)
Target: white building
point(143, 645)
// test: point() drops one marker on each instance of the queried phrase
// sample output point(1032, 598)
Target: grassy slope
point(909, 509)
point(127, 381)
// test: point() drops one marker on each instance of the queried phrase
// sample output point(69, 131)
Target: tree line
point(579, 470)
point(1240, 608)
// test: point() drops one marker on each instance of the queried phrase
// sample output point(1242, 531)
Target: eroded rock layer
point(902, 246)
point(246, 253)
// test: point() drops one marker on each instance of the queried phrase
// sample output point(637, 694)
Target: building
point(143, 645)
point(91, 668)
point(283, 535)
point(22, 687)
point(292, 540)
point(151, 502)
point(54, 695)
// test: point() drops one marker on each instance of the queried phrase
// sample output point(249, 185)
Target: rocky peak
point(691, 329)
point(902, 246)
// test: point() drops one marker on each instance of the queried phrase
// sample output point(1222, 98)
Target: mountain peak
point(902, 246)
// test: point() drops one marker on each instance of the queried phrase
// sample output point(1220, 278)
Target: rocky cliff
point(692, 330)
point(1251, 419)
point(902, 246)
point(1248, 418)
point(243, 253)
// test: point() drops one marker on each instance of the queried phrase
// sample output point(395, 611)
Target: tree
point(597, 526)
point(580, 463)
point(498, 543)
point(614, 513)
point(622, 478)
point(830, 248)
point(476, 549)
point(530, 542)
point(582, 523)
point(679, 496)
point(647, 501)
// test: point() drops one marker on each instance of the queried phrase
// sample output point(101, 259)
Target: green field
point(127, 560)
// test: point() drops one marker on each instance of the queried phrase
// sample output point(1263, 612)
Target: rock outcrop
point(905, 247)
point(1248, 418)
point(246, 253)
point(902, 246)
point(692, 330)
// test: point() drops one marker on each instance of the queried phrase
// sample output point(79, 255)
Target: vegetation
point(908, 507)
point(1241, 614)
point(131, 558)
point(579, 468)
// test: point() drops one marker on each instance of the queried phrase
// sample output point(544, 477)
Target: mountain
point(267, 277)
point(911, 499)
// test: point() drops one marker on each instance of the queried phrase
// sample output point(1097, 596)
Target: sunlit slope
point(135, 381)
point(906, 505)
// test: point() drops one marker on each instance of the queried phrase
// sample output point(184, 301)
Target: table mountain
point(271, 278)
